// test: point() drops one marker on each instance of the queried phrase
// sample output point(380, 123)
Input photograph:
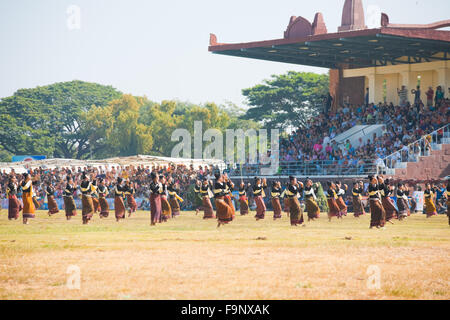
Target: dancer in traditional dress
point(275, 198)
point(333, 208)
point(358, 207)
point(69, 204)
point(174, 190)
point(340, 192)
point(259, 195)
point(377, 213)
point(386, 190)
point(293, 192)
point(15, 206)
point(51, 202)
point(224, 212)
point(205, 191)
point(129, 192)
point(312, 208)
point(86, 199)
point(36, 202)
point(94, 196)
point(27, 198)
point(198, 201)
point(430, 207)
point(229, 187)
point(155, 199)
point(166, 210)
point(119, 205)
point(102, 194)
point(411, 200)
point(402, 201)
point(243, 199)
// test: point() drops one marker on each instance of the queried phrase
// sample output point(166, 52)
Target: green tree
point(5, 156)
point(162, 120)
point(47, 120)
point(115, 129)
point(286, 100)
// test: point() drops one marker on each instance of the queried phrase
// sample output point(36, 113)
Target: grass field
point(189, 258)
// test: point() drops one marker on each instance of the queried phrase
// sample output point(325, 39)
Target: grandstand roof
point(354, 46)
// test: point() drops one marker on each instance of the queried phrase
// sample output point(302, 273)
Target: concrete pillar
point(410, 82)
point(372, 87)
point(443, 80)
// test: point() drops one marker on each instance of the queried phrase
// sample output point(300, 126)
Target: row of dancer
point(164, 199)
point(93, 198)
point(383, 209)
point(221, 190)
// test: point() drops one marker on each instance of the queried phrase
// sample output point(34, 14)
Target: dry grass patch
point(189, 258)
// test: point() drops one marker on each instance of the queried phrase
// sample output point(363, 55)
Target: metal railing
point(419, 148)
point(309, 168)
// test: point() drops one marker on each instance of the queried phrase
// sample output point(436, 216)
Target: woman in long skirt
point(15, 206)
point(410, 200)
point(430, 207)
point(175, 205)
point(243, 200)
point(86, 199)
point(119, 205)
point(312, 208)
point(333, 208)
point(340, 192)
point(51, 202)
point(198, 199)
point(28, 211)
point(293, 192)
point(358, 207)
point(224, 212)
point(402, 202)
point(166, 210)
point(388, 204)
point(102, 193)
point(205, 191)
point(155, 199)
point(275, 199)
point(173, 197)
point(69, 204)
point(95, 197)
point(130, 191)
point(258, 193)
point(229, 187)
point(377, 213)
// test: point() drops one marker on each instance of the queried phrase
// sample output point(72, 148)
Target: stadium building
point(381, 59)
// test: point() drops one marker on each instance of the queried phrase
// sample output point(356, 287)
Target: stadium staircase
point(424, 160)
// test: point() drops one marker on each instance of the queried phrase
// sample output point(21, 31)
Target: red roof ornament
point(352, 16)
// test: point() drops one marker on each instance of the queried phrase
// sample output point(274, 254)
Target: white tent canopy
point(21, 167)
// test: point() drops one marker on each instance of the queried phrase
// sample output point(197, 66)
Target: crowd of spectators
point(403, 125)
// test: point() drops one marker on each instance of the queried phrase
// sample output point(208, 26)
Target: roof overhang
point(352, 49)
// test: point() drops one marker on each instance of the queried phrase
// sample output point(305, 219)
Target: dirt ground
point(189, 258)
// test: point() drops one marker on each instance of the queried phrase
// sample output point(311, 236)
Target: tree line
point(82, 120)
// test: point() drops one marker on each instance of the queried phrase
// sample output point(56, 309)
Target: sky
point(160, 48)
